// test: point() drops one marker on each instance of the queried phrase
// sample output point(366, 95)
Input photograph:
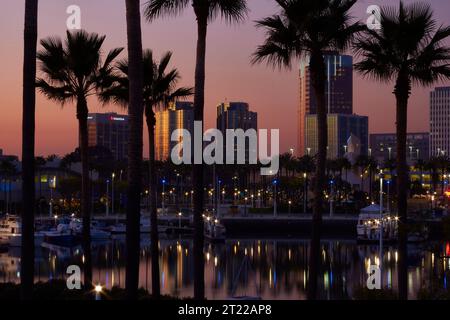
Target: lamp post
point(163, 195)
point(381, 227)
point(388, 205)
point(305, 193)
point(177, 191)
point(259, 199)
point(331, 198)
point(112, 192)
point(107, 197)
point(98, 290)
point(289, 210)
point(52, 186)
point(390, 152)
point(218, 195)
point(275, 211)
point(245, 206)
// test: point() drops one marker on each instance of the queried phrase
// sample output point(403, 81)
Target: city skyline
point(280, 87)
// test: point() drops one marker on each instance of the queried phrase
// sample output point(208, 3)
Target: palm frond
point(306, 26)
point(73, 69)
point(229, 10)
point(280, 45)
point(61, 94)
point(159, 8)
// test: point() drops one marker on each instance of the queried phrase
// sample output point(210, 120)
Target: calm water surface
point(270, 268)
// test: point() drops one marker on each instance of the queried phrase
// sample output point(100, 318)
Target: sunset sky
point(272, 93)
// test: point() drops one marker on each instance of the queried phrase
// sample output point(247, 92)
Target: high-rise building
point(338, 91)
point(440, 121)
point(340, 128)
point(178, 115)
point(109, 130)
point(236, 115)
point(383, 146)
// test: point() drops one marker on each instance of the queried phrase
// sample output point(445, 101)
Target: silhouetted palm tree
point(74, 71)
point(135, 147)
point(310, 28)
point(205, 11)
point(408, 49)
point(28, 132)
point(159, 90)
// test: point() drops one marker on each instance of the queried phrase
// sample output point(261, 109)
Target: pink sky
point(272, 93)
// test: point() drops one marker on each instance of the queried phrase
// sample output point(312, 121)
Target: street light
point(112, 192)
point(289, 211)
point(259, 199)
point(388, 209)
point(98, 290)
point(275, 183)
point(390, 152)
point(52, 186)
point(331, 198)
point(107, 197)
point(218, 195)
point(305, 192)
point(245, 206)
point(381, 227)
point(163, 193)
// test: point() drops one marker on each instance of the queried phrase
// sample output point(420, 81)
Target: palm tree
point(409, 49)
point(28, 146)
point(205, 11)
point(74, 71)
point(159, 89)
point(135, 110)
point(310, 28)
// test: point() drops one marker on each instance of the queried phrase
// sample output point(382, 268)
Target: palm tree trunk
point(402, 90)
point(151, 121)
point(28, 146)
point(135, 111)
point(82, 115)
point(318, 82)
point(199, 104)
